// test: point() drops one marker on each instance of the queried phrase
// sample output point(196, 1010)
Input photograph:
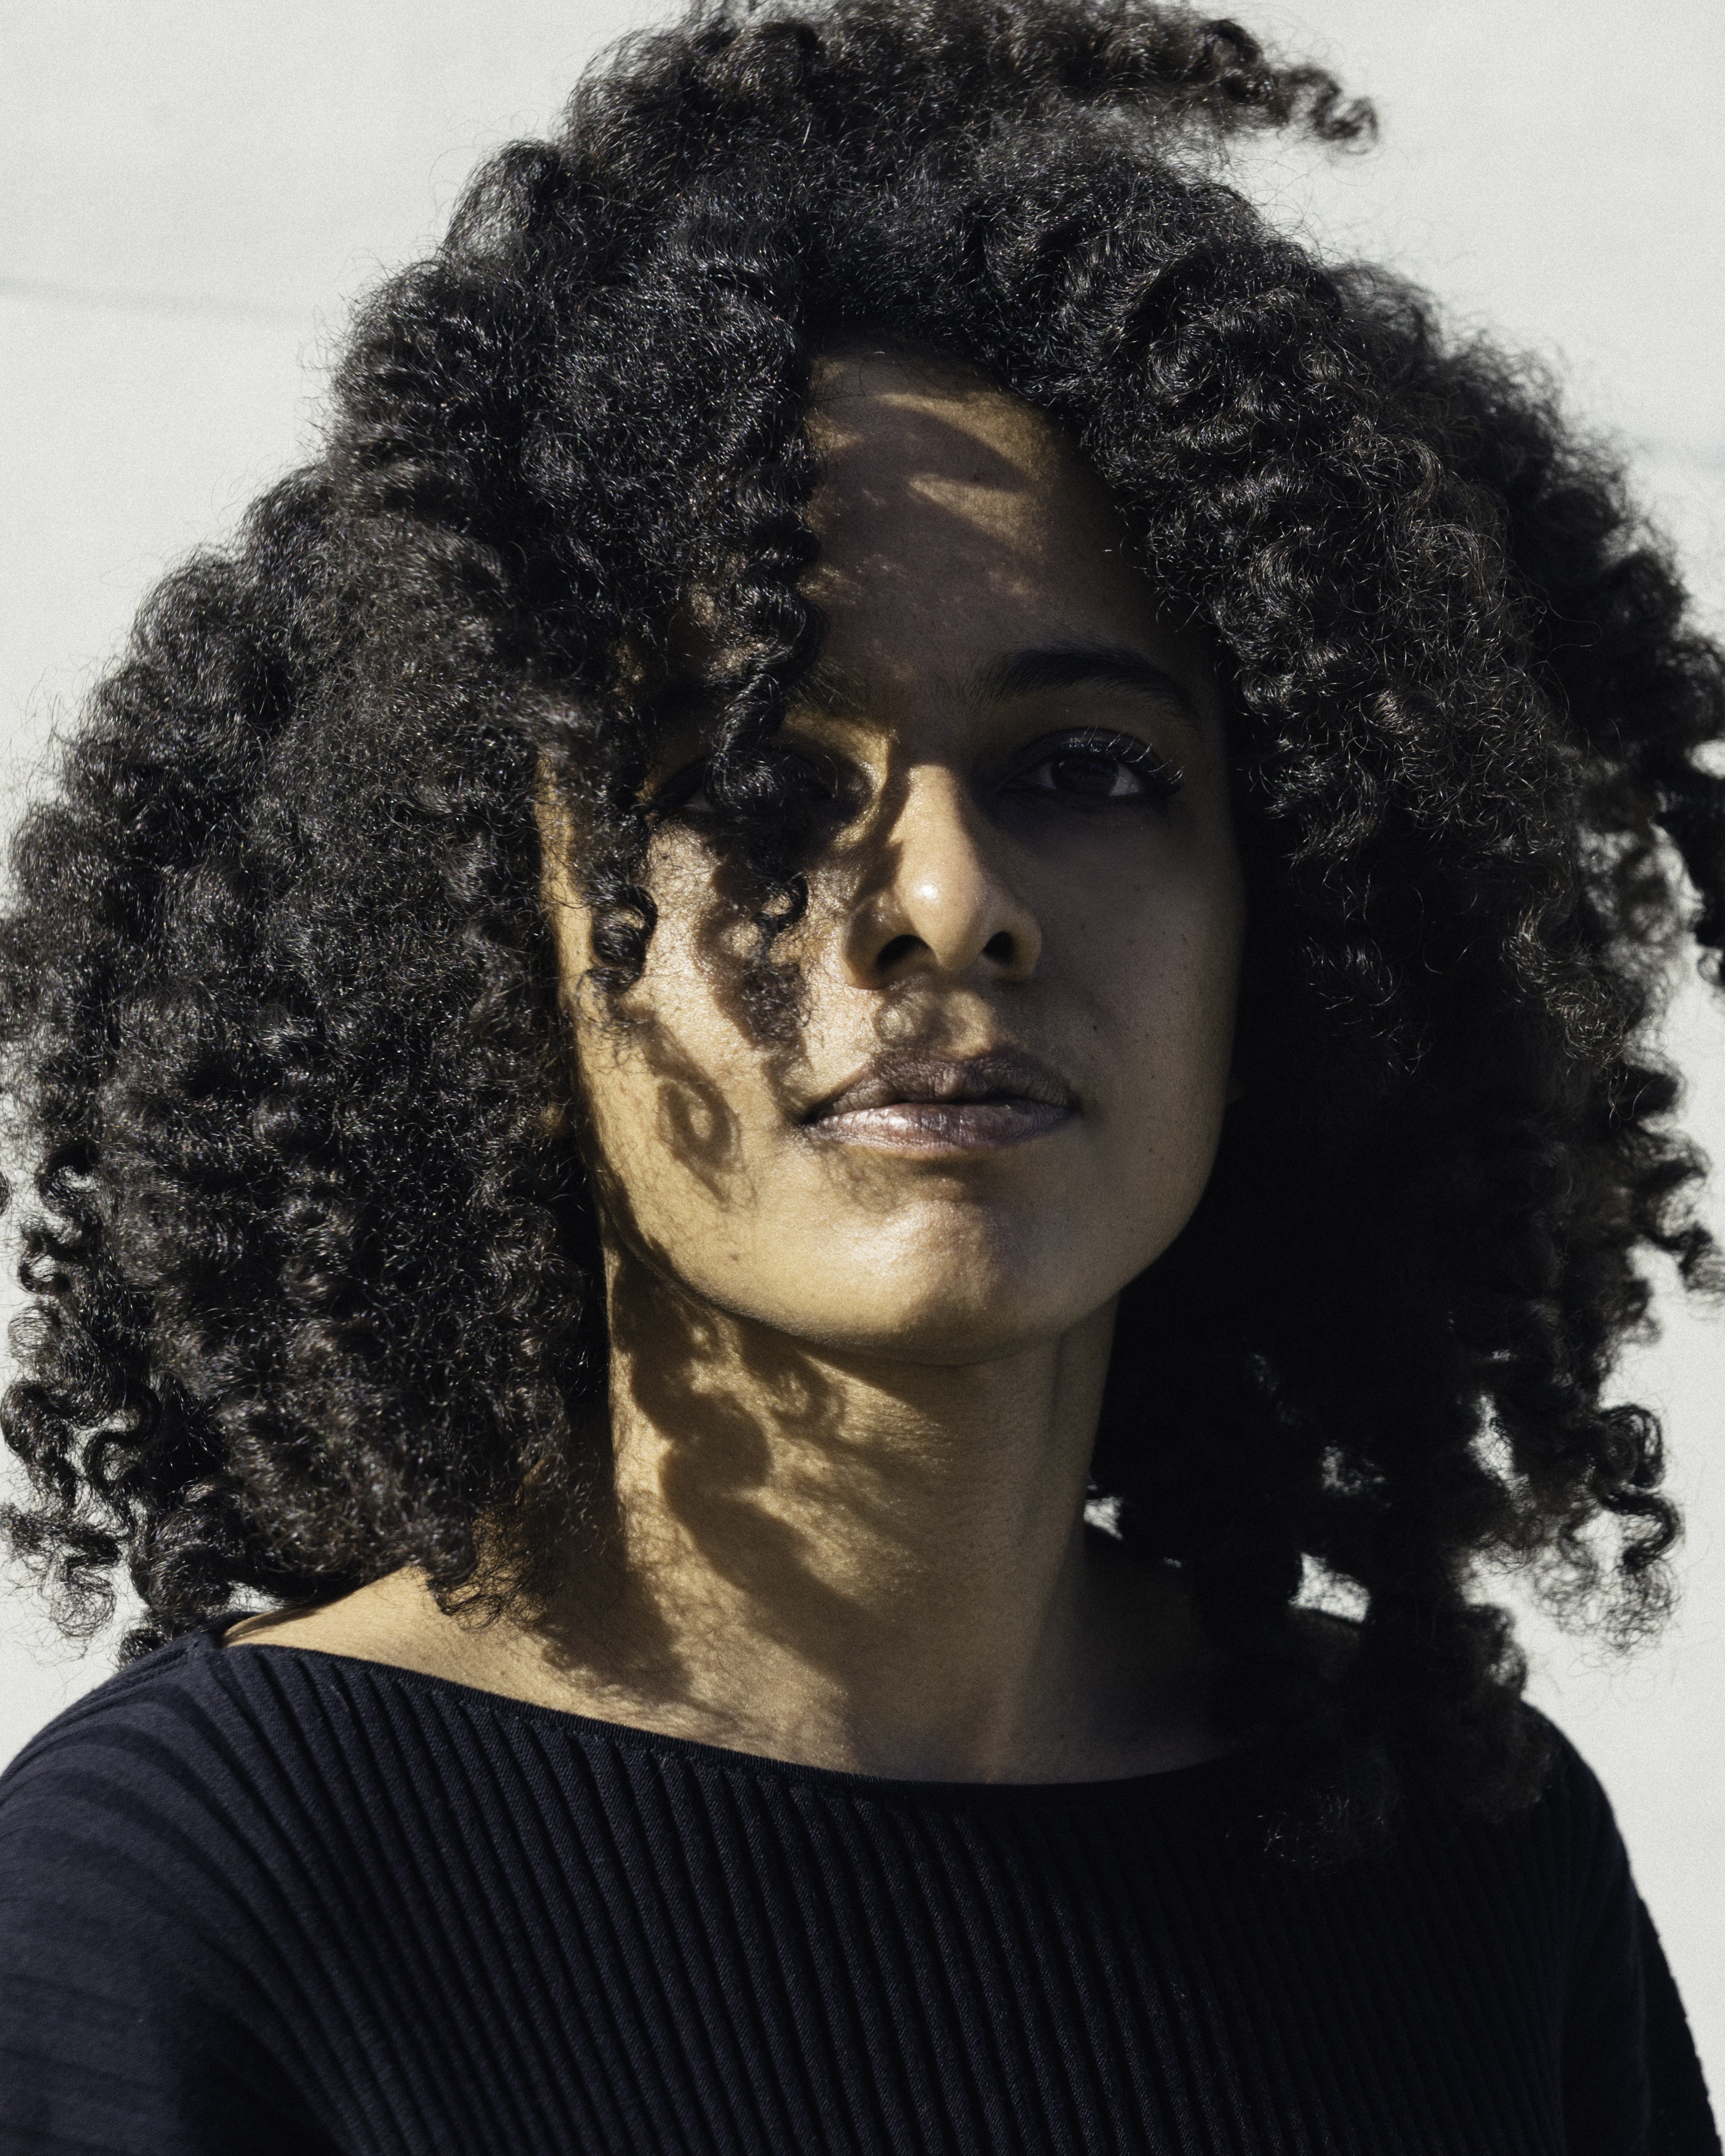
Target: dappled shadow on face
point(692, 1119)
point(756, 1470)
point(759, 1473)
point(938, 482)
point(755, 972)
point(752, 1426)
point(754, 1009)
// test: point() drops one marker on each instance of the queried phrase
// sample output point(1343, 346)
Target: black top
point(274, 1900)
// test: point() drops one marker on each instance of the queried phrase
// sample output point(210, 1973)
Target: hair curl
point(313, 1284)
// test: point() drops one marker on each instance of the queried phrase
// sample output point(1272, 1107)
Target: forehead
point(954, 515)
point(873, 401)
point(919, 442)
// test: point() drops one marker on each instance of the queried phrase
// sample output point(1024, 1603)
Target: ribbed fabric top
point(267, 1899)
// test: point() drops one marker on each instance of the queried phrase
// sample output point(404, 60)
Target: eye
point(684, 794)
point(1095, 767)
point(774, 781)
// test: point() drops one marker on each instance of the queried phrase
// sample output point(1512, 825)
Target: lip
point(932, 1104)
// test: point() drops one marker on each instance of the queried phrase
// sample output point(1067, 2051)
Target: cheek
point(670, 1091)
point(1152, 940)
point(1134, 997)
point(1154, 968)
point(1181, 986)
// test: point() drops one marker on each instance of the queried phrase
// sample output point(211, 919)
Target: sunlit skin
point(863, 1284)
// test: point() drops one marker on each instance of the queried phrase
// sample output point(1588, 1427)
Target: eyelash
point(1161, 779)
point(685, 792)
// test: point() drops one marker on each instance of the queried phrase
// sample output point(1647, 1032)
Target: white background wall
point(194, 189)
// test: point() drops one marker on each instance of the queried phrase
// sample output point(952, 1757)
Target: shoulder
point(1545, 1880)
point(1569, 1807)
point(169, 1824)
point(1556, 1839)
point(177, 1704)
point(1570, 1825)
point(134, 1777)
point(192, 1788)
point(143, 1894)
point(1335, 1639)
point(112, 1724)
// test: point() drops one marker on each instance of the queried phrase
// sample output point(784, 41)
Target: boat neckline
point(1223, 1769)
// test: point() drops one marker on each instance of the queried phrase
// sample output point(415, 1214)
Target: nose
point(940, 900)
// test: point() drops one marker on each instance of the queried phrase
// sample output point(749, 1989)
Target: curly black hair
point(313, 1279)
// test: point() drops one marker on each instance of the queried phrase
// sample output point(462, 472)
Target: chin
point(953, 1314)
point(944, 1338)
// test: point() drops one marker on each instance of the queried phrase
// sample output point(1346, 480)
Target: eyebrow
point(1042, 667)
point(835, 692)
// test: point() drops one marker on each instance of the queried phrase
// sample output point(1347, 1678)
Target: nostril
point(1000, 948)
point(899, 947)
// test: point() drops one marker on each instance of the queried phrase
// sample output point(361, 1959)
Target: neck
point(869, 1564)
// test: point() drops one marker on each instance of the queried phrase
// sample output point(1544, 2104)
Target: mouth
point(931, 1104)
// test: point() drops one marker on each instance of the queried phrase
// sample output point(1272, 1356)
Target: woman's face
point(1019, 958)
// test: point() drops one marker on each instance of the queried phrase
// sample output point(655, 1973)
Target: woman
point(892, 951)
